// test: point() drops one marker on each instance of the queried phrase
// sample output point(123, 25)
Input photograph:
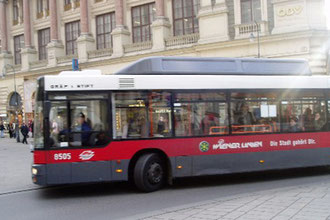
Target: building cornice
point(279, 1)
point(264, 39)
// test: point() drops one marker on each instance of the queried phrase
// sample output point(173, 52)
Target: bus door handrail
point(212, 132)
point(264, 129)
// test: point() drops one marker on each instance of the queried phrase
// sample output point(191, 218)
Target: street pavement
point(308, 199)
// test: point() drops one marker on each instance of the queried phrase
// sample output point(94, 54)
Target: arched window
point(15, 100)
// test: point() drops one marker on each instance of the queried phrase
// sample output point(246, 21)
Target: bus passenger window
point(160, 114)
point(130, 115)
point(200, 114)
point(307, 114)
point(254, 113)
point(58, 124)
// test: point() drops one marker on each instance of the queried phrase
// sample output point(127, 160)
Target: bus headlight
point(34, 171)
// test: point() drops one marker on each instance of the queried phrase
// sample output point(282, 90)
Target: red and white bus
point(168, 117)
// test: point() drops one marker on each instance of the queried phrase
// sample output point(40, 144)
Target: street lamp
point(252, 37)
point(16, 97)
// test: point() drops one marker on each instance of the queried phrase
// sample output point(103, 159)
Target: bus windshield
point(78, 120)
point(38, 126)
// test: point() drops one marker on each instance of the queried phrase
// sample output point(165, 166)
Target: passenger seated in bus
point(94, 136)
point(54, 133)
point(137, 127)
point(181, 126)
point(308, 124)
point(102, 139)
point(318, 122)
point(245, 117)
point(293, 125)
point(264, 126)
point(208, 121)
point(143, 126)
point(161, 126)
point(274, 125)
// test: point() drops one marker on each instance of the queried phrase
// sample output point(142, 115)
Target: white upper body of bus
point(170, 73)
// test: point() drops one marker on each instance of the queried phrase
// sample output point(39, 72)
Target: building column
point(3, 26)
point(30, 87)
point(5, 56)
point(213, 17)
point(120, 35)
point(84, 17)
point(55, 48)
point(29, 53)
point(85, 41)
point(160, 27)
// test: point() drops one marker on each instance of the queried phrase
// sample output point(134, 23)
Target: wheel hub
point(155, 173)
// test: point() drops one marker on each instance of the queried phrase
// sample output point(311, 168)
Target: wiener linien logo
point(204, 146)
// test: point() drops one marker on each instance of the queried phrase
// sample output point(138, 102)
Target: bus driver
point(85, 128)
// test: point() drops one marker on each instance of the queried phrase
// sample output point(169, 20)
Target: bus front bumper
point(38, 172)
point(80, 172)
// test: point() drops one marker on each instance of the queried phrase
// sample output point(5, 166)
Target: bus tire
point(149, 173)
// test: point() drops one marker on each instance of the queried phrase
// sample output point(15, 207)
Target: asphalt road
point(22, 200)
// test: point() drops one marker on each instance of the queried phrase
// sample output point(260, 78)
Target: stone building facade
point(41, 37)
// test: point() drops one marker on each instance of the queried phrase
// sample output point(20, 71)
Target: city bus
point(162, 118)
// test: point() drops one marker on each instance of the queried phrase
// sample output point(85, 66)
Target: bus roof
point(181, 82)
point(215, 66)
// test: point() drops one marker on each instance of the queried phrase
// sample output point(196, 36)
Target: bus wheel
point(149, 173)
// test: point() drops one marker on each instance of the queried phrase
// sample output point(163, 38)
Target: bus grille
point(126, 83)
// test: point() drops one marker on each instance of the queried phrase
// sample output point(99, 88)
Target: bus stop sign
point(75, 65)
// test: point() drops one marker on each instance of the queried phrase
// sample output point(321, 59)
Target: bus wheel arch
point(142, 157)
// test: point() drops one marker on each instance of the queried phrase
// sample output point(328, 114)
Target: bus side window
point(58, 123)
point(254, 112)
point(304, 111)
point(203, 113)
point(130, 115)
point(159, 113)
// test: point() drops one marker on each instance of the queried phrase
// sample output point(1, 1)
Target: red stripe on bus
point(39, 157)
point(117, 150)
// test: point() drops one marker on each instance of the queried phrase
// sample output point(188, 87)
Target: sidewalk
point(306, 202)
point(16, 160)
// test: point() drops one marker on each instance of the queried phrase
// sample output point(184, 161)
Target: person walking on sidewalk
point(25, 132)
point(32, 128)
point(2, 128)
point(10, 130)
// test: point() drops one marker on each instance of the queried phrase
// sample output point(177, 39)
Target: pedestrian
point(25, 132)
point(32, 128)
point(14, 130)
point(10, 130)
point(2, 128)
